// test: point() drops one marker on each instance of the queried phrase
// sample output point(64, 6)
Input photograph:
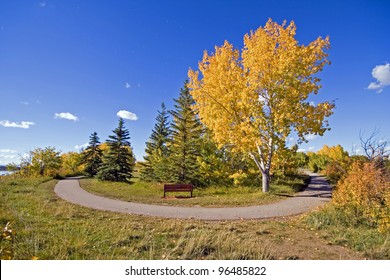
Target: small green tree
point(186, 134)
point(302, 159)
point(41, 162)
point(155, 165)
point(92, 155)
point(318, 163)
point(118, 162)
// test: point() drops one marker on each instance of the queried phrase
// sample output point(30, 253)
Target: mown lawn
point(214, 196)
point(48, 227)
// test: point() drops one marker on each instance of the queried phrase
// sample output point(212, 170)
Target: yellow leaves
point(6, 242)
point(238, 178)
point(335, 153)
point(255, 97)
point(220, 90)
point(71, 163)
point(367, 188)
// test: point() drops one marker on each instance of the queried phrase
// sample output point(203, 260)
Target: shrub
point(366, 190)
point(334, 171)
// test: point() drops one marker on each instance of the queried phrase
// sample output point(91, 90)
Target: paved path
point(316, 194)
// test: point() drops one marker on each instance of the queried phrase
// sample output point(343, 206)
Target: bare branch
point(373, 146)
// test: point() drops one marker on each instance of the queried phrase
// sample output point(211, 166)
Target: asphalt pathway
point(316, 194)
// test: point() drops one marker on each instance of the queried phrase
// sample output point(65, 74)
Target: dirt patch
point(291, 240)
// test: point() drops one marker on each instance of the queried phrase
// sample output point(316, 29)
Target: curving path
point(316, 194)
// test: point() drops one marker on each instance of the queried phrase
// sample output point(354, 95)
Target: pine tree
point(92, 156)
point(186, 135)
point(118, 162)
point(155, 165)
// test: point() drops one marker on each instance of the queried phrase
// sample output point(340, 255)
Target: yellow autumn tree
point(71, 164)
point(335, 153)
point(336, 162)
point(253, 99)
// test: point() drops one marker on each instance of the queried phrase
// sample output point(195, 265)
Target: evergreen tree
point(118, 162)
point(92, 155)
point(185, 146)
point(155, 166)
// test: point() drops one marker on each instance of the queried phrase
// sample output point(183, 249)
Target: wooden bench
point(178, 188)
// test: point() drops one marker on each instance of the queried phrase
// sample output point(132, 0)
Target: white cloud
point(23, 124)
point(8, 151)
point(42, 4)
point(127, 115)
point(127, 85)
point(83, 146)
point(301, 150)
point(66, 116)
point(8, 156)
point(311, 103)
point(311, 137)
point(25, 103)
point(375, 86)
point(382, 75)
point(311, 148)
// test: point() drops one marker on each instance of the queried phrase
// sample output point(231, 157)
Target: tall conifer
point(118, 162)
point(185, 146)
point(155, 165)
point(92, 155)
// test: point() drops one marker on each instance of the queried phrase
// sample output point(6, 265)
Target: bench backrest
point(172, 187)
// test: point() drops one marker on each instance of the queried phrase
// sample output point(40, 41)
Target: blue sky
point(68, 67)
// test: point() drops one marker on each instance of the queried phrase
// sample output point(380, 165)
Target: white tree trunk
point(264, 168)
point(265, 181)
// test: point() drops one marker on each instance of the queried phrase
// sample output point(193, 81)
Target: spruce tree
point(92, 155)
point(155, 165)
point(185, 146)
point(118, 162)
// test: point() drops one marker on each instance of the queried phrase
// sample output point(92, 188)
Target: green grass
point(214, 196)
point(48, 227)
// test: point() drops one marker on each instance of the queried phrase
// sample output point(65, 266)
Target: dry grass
point(49, 228)
point(341, 227)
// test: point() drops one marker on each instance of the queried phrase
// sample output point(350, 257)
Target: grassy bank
point(49, 228)
point(221, 196)
point(341, 227)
